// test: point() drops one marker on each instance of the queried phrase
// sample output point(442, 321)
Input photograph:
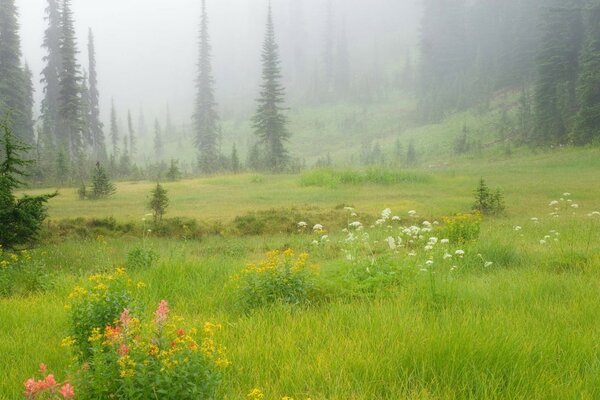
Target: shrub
point(141, 258)
point(488, 202)
point(157, 359)
point(462, 228)
point(20, 220)
point(281, 278)
point(96, 305)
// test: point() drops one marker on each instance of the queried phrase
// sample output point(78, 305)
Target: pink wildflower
point(123, 350)
point(125, 318)
point(43, 368)
point(50, 381)
point(67, 391)
point(30, 388)
point(162, 312)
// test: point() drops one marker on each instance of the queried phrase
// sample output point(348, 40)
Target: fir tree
point(69, 110)
point(270, 124)
point(235, 161)
point(411, 155)
point(20, 219)
point(85, 112)
point(206, 118)
point(114, 130)
point(587, 124)
point(159, 151)
point(62, 168)
point(28, 109)
point(13, 84)
point(132, 139)
point(101, 184)
point(174, 174)
point(158, 203)
point(51, 73)
point(95, 125)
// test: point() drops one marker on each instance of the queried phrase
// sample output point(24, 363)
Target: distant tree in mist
point(50, 74)
point(95, 125)
point(342, 65)
point(587, 123)
point(205, 115)
point(159, 151)
point(558, 65)
point(69, 110)
point(114, 131)
point(328, 52)
point(270, 124)
point(132, 138)
point(85, 110)
point(13, 80)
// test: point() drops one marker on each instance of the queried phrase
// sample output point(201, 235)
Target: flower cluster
point(47, 387)
point(132, 359)
point(281, 277)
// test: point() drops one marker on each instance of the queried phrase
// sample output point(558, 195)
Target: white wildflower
point(517, 228)
point(429, 262)
point(391, 243)
point(488, 264)
point(447, 256)
point(385, 214)
point(445, 241)
point(542, 242)
point(412, 213)
point(302, 224)
point(459, 252)
point(575, 205)
point(355, 224)
point(553, 203)
point(396, 218)
point(566, 194)
point(318, 227)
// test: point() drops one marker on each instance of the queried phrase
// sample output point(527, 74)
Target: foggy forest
point(299, 199)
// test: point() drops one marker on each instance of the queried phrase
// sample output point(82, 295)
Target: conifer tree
point(132, 139)
point(174, 174)
point(587, 124)
point(270, 124)
point(158, 142)
point(206, 118)
point(69, 110)
point(101, 184)
point(235, 161)
point(28, 109)
point(13, 85)
point(96, 126)
point(85, 113)
point(50, 74)
point(114, 130)
point(342, 65)
point(158, 203)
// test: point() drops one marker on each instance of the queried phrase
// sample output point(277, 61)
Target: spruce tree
point(159, 151)
point(13, 85)
point(69, 110)
point(174, 174)
point(158, 203)
point(29, 135)
point(555, 88)
point(235, 161)
point(50, 74)
point(101, 184)
point(114, 131)
point(20, 219)
point(96, 126)
point(85, 113)
point(270, 124)
point(132, 139)
point(206, 118)
point(587, 124)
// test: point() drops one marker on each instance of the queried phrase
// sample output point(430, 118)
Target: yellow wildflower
point(256, 394)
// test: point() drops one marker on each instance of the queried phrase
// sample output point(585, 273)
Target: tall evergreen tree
point(206, 118)
point(29, 103)
point(70, 124)
point(270, 124)
point(13, 85)
point(587, 124)
point(558, 66)
point(96, 126)
point(132, 138)
point(50, 74)
point(114, 130)
point(86, 112)
point(159, 151)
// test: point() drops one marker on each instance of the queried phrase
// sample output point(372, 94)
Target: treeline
point(549, 50)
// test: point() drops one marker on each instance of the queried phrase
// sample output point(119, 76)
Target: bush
point(141, 258)
point(96, 305)
point(280, 278)
point(157, 359)
point(101, 185)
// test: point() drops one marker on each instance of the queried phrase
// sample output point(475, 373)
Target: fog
point(147, 54)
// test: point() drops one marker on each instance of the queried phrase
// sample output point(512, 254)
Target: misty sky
point(146, 50)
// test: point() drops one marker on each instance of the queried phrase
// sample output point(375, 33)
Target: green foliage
point(374, 175)
point(158, 203)
point(488, 202)
point(21, 219)
point(141, 258)
point(101, 185)
point(132, 359)
point(282, 278)
point(95, 305)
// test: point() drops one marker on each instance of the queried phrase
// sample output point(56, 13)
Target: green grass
point(524, 328)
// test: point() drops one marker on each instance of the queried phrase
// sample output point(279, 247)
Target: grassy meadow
point(516, 317)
